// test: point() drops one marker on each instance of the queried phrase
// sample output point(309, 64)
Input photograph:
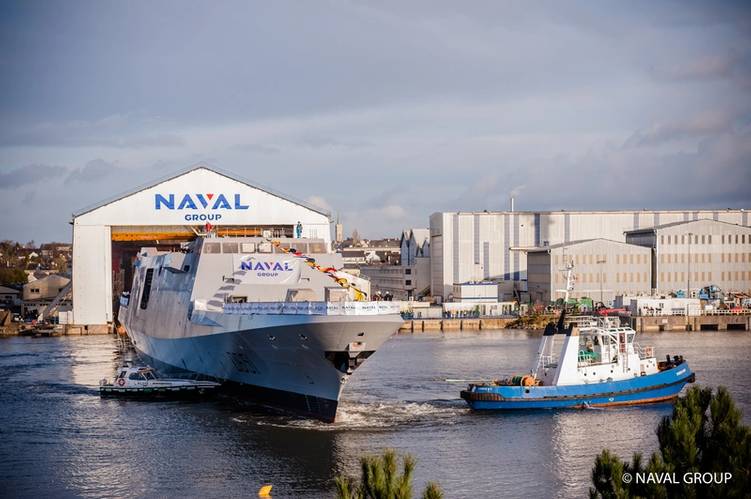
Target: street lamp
point(600, 262)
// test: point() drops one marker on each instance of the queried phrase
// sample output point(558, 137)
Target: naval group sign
point(199, 207)
point(255, 269)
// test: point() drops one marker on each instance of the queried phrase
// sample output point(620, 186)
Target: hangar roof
point(201, 166)
point(684, 222)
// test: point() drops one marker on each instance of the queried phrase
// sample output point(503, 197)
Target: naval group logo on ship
point(199, 202)
point(255, 270)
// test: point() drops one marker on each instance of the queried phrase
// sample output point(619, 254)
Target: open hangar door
point(163, 214)
point(128, 241)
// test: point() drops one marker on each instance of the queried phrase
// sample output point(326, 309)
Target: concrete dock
point(692, 323)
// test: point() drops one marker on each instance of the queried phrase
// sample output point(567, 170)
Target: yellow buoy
point(265, 491)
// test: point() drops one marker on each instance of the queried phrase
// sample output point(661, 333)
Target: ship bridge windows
point(229, 248)
point(264, 247)
point(247, 247)
point(212, 248)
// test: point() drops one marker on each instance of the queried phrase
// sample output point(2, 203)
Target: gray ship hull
point(301, 364)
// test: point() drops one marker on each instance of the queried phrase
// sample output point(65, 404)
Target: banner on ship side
point(271, 269)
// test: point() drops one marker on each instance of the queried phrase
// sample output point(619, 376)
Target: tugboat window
point(147, 289)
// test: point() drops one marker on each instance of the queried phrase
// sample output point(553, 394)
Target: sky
point(381, 112)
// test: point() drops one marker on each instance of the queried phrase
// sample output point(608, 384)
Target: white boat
point(273, 320)
point(143, 381)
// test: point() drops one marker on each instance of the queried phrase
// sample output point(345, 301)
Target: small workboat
point(598, 364)
point(143, 382)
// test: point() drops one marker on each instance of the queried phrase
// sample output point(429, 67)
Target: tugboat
point(599, 364)
point(143, 382)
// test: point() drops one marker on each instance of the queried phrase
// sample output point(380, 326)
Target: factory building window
point(722, 276)
point(736, 239)
point(696, 276)
point(683, 277)
point(662, 239)
point(618, 259)
point(722, 257)
point(696, 239)
point(702, 239)
point(662, 276)
point(604, 278)
point(702, 276)
point(408, 282)
point(702, 258)
point(638, 277)
point(709, 276)
point(709, 239)
point(709, 257)
point(722, 239)
point(617, 277)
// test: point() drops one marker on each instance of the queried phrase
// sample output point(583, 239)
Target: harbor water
point(59, 439)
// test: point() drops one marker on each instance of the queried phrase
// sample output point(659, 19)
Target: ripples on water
point(59, 439)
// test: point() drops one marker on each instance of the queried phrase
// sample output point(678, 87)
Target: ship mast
point(545, 351)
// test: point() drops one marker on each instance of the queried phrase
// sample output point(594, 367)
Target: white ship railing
point(313, 308)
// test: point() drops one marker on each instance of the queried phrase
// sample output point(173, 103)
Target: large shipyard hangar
point(165, 213)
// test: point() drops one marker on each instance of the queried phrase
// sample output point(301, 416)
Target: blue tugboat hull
point(652, 388)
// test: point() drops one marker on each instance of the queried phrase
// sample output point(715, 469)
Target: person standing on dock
point(298, 230)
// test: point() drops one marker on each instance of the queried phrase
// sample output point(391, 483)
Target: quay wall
point(692, 323)
point(428, 325)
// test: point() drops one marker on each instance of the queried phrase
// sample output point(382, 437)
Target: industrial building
point(476, 292)
point(477, 246)
point(602, 269)
point(9, 297)
point(697, 254)
point(165, 213)
point(40, 293)
point(411, 278)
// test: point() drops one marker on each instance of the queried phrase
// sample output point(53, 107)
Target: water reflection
point(60, 439)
